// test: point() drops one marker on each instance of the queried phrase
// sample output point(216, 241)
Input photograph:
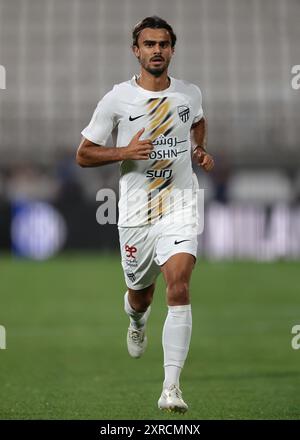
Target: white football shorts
point(144, 249)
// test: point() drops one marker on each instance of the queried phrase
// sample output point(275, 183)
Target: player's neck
point(153, 83)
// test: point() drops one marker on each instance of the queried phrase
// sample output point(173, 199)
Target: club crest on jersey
point(183, 112)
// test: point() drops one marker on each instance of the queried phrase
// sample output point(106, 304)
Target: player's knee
point(142, 300)
point(142, 304)
point(178, 293)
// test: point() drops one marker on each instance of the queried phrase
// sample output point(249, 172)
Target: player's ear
point(135, 50)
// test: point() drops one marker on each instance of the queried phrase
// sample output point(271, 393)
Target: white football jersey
point(163, 184)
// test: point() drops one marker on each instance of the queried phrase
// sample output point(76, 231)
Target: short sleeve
point(103, 121)
point(197, 100)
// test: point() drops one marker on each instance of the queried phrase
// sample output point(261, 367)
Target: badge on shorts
point(183, 112)
point(131, 276)
point(130, 251)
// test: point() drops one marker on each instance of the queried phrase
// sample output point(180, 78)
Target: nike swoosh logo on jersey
point(178, 242)
point(136, 117)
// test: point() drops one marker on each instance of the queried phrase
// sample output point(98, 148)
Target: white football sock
point(137, 319)
point(176, 341)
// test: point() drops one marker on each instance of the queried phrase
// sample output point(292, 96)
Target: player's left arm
point(199, 138)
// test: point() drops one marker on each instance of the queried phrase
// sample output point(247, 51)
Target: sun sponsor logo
point(163, 173)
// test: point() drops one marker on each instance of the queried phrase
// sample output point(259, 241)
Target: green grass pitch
point(66, 355)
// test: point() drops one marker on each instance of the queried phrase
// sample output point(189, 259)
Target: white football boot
point(137, 339)
point(171, 400)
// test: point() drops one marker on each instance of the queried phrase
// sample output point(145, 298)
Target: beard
point(155, 71)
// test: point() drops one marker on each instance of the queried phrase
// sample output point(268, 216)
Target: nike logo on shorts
point(181, 241)
point(136, 117)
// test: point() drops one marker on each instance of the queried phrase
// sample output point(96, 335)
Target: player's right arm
point(90, 154)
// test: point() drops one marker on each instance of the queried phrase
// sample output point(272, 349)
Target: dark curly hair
point(153, 22)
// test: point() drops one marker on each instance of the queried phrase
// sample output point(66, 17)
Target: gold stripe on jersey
point(161, 122)
point(152, 103)
point(157, 206)
point(158, 191)
point(156, 183)
point(165, 194)
point(157, 105)
point(160, 164)
point(162, 129)
point(159, 110)
point(159, 115)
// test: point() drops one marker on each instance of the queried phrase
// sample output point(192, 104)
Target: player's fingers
point(209, 164)
point(139, 133)
point(145, 141)
point(201, 157)
point(144, 154)
point(146, 147)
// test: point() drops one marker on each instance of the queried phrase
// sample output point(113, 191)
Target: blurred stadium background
point(61, 57)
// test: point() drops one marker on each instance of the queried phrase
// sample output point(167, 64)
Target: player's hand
point(138, 149)
point(203, 159)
